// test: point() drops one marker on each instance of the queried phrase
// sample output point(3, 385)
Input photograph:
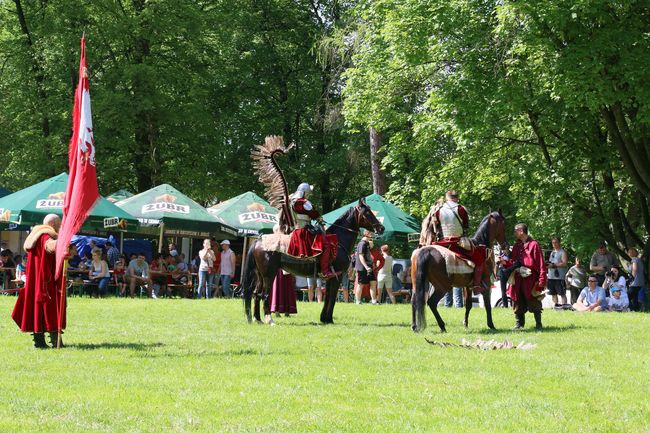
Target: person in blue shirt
point(592, 297)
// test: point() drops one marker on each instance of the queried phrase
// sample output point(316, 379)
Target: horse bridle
point(358, 221)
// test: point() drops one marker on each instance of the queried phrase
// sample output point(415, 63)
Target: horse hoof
point(443, 331)
point(414, 328)
point(492, 327)
point(465, 324)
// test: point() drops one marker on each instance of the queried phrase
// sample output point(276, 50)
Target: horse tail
point(420, 260)
point(250, 281)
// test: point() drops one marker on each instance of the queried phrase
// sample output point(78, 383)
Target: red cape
point(36, 307)
point(529, 254)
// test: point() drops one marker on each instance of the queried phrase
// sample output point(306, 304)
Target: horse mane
point(344, 216)
point(482, 235)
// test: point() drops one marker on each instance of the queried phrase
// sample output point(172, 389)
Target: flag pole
point(60, 305)
point(160, 239)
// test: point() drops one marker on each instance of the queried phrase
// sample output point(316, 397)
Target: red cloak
point(529, 254)
point(36, 307)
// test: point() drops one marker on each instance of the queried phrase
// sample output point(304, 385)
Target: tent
point(398, 224)
point(248, 213)
point(28, 207)
point(119, 195)
point(164, 210)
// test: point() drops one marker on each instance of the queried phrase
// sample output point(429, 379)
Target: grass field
point(196, 366)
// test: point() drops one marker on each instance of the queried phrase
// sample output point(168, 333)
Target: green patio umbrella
point(398, 224)
point(28, 207)
point(119, 195)
point(164, 210)
point(248, 213)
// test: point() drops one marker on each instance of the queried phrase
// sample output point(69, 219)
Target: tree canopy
point(540, 108)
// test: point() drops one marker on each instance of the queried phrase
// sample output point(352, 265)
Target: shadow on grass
point(347, 324)
point(130, 346)
point(546, 329)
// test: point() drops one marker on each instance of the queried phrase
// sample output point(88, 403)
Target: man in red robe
point(527, 292)
point(38, 306)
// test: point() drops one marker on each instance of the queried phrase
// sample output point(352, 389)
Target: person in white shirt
point(227, 271)
point(385, 276)
point(205, 274)
point(618, 301)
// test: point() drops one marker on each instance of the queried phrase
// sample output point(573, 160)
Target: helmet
point(303, 189)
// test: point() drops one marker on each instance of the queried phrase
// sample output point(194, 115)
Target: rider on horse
point(450, 222)
point(304, 234)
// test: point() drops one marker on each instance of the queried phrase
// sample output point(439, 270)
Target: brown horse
point(428, 266)
point(262, 265)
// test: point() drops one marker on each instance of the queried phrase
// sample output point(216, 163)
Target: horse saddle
point(279, 243)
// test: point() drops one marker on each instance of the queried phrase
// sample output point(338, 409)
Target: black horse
point(428, 266)
point(262, 265)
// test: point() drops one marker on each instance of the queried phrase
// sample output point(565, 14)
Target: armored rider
point(452, 220)
point(303, 235)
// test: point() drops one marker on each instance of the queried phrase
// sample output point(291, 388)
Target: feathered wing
point(270, 174)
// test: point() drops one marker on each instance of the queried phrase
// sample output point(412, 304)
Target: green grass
point(196, 366)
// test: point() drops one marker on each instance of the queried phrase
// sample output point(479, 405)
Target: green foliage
point(508, 103)
point(181, 91)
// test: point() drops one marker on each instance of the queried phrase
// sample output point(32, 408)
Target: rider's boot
point(478, 286)
point(325, 268)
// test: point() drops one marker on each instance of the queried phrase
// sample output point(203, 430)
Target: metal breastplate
point(301, 220)
point(450, 221)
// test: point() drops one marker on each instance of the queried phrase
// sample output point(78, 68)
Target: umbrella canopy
point(119, 195)
point(398, 224)
point(28, 206)
point(248, 213)
point(165, 208)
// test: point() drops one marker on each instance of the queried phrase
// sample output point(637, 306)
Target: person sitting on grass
point(619, 301)
point(592, 297)
point(615, 278)
point(137, 274)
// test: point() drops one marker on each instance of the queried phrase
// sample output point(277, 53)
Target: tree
point(513, 103)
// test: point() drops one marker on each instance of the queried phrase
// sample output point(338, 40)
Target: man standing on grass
point(227, 268)
point(37, 307)
point(527, 291)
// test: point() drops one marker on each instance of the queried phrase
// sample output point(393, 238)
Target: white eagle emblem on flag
point(86, 142)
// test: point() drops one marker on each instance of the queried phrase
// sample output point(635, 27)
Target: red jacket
point(529, 254)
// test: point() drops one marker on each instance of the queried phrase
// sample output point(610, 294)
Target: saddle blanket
point(454, 263)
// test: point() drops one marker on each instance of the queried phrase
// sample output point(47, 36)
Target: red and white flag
point(81, 193)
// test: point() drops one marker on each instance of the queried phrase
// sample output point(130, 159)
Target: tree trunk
point(378, 177)
point(146, 155)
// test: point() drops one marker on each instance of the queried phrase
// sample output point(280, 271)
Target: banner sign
point(165, 207)
point(49, 203)
point(257, 217)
